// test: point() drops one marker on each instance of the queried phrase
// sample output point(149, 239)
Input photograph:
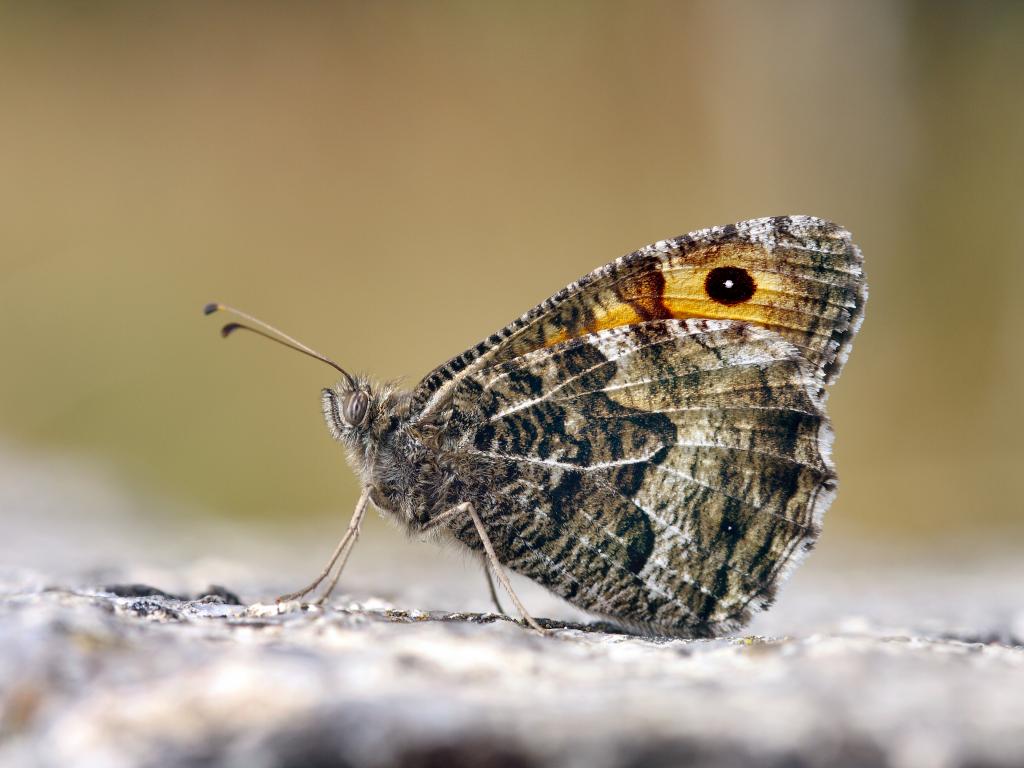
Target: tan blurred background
point(391, 182)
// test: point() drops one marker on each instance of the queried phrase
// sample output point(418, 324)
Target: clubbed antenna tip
point(270, 332)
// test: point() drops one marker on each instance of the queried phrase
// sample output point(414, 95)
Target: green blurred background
point(391, 182)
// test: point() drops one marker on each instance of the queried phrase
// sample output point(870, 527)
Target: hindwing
point(666, 474)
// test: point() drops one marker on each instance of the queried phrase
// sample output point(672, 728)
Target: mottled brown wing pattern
point(666, 474)
point(805, 276)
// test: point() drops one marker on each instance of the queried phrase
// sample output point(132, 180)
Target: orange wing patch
point(730, 281)
point(799, 276)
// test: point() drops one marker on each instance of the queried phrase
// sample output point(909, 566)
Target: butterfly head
point(359, 412)
point(347, 408)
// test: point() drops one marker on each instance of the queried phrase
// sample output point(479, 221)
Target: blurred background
point(391, 182)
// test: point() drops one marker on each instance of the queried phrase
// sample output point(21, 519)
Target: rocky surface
point(106, 661)
point(127, 675)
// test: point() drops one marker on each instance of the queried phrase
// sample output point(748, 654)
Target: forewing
point(665, 474)
point(806, 275)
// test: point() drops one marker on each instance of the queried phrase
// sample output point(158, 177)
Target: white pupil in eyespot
point(728, 283)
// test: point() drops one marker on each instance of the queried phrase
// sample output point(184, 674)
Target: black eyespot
point(729, 285)
point(356, 405)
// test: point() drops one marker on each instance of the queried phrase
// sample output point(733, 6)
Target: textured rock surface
point(931, 674)
point(119, 677)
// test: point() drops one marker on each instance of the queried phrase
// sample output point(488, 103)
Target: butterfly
point(650, 443)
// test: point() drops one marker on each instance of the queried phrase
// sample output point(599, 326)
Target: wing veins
point(642, 382)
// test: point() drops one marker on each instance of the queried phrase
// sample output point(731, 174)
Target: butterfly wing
point(666, 474)
point(804, 278)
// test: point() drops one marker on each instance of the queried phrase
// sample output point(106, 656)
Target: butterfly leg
point(491, 589)
point(492, 558)
point(441, 520)
point(341, 552)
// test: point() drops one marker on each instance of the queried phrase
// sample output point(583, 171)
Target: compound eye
point(729, 285)
point(356, 406)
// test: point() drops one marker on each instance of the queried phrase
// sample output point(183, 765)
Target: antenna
point(268, 331)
